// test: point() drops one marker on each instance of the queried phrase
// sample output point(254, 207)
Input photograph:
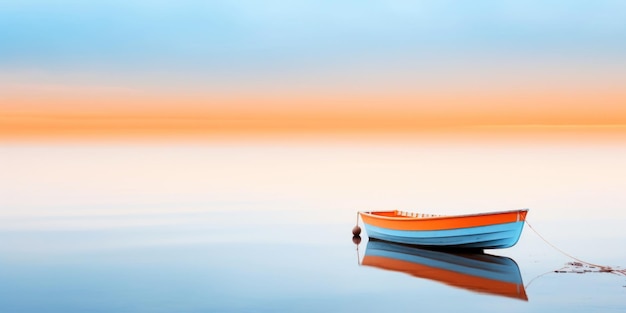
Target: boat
point(493, 230)
point(476, 272)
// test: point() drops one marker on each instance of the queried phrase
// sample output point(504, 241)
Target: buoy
point(356, 239)
point(356, 230)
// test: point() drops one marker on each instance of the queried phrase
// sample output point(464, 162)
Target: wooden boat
point(473, 231)
point(477, 272)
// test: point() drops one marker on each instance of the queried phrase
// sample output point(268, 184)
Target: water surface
point(266, 227)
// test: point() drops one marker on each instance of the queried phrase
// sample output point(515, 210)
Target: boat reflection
point(475, 271)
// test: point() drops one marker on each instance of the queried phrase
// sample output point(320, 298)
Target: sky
point(249, 67)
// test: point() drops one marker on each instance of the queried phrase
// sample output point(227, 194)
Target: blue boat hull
point(482, 237)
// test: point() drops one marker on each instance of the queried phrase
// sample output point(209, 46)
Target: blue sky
point(77, 34)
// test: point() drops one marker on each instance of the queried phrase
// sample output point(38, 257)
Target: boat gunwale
point(413, 218)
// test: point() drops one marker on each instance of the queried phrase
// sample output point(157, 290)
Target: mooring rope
point(537, 277)
point(603, 268)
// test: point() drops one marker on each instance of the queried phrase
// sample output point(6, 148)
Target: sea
point(265, 226)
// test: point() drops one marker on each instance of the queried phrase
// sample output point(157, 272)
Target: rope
point(606, 269)
point(602, 267)
point(536, 277)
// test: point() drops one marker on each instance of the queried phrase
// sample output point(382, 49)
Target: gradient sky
point(251, 66)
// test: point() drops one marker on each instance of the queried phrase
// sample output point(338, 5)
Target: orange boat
point(477, 272)
point(472, 231)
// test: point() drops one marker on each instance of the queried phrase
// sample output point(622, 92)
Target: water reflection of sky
point(194, 229)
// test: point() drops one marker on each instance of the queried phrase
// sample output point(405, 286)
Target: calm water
point(266, 227)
